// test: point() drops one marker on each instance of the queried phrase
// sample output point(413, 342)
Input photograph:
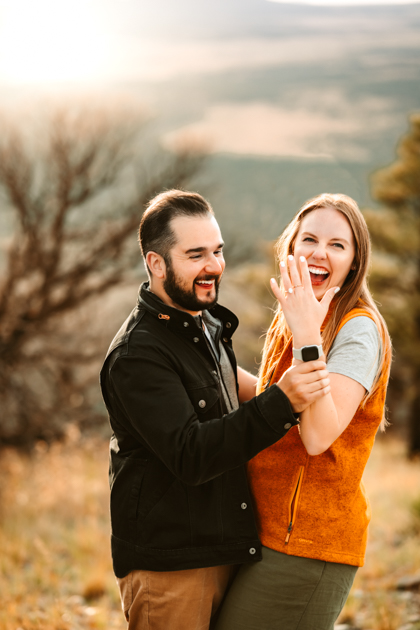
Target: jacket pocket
point(207, 517)
point(167, 524)
point(204, 400)
point(126, 479)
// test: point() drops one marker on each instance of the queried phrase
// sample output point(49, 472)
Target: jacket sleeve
point(147, 394)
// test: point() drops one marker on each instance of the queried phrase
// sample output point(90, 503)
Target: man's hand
point(305, 383)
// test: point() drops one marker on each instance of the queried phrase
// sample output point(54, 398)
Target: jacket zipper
point(294, 504)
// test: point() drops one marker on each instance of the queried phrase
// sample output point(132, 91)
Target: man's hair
point(155, 231)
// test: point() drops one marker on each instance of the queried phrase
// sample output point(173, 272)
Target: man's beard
point(187, 298)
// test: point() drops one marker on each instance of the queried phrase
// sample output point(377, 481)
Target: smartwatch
point(308, 353)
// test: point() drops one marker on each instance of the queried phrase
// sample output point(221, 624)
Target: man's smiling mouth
point(205, 284)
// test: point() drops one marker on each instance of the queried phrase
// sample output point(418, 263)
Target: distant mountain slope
point(254, 198)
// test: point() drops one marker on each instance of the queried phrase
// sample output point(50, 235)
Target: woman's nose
point(319, 252)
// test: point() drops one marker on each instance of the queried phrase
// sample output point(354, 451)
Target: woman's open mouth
point(318, 275)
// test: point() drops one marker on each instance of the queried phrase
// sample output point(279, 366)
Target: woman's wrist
point(307, 340)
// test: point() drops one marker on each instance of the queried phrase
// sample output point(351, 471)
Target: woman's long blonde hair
point(353, 294)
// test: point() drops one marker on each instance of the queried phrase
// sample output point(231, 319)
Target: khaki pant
point(174, 600)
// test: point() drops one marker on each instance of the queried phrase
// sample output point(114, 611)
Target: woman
point(310, 501)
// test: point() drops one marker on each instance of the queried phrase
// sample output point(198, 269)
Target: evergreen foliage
point(395, 279)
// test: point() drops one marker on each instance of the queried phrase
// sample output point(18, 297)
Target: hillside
point(295, 101)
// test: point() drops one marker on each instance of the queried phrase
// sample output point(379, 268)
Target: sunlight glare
point(51, 41)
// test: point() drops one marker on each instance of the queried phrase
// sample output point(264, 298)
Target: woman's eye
point(309, 239)
point(339, 245)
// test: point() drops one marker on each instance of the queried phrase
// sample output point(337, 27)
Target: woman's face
point(326, 240)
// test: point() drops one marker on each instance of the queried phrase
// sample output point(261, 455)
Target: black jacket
point(179, 493)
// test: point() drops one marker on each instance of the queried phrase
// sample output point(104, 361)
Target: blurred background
point(258, 105)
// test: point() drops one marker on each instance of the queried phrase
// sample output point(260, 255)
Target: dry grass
point(393, 486)
point(55, 567)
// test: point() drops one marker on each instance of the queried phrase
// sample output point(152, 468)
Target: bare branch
point(67, 248)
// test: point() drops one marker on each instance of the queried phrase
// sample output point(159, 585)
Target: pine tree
point(395, 280)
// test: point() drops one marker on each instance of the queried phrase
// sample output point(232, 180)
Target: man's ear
point(156, 264)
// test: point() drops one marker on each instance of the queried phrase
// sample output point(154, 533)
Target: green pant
point(286, 593)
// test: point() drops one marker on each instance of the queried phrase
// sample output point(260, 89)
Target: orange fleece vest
point(316, 506)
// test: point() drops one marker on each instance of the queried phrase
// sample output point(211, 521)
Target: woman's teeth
point(317, 271)
point(318, 276)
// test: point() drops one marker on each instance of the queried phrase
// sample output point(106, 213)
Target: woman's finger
point(287, 283)
point(294, 273)
point(328, 297)
point(278, 293)
point(304, 272)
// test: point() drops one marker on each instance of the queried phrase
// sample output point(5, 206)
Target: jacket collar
point(179, 320)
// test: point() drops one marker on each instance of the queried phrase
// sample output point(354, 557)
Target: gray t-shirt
point(213, 332)
point(356, 351)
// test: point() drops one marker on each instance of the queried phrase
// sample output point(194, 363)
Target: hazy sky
point(346, 2)
point(51, 41)
point(106, 47)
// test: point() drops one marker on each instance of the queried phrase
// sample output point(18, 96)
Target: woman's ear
point(156, 264)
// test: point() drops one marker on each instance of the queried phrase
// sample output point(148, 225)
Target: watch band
point(308, 353)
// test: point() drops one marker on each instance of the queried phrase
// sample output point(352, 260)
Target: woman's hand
point(303, 312)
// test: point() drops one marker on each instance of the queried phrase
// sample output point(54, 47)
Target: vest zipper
point(268, 383)
point(294, 504)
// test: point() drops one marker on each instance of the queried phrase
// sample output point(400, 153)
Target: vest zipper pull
point(289, 531)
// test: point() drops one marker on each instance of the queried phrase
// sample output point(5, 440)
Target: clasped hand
point(305, 383)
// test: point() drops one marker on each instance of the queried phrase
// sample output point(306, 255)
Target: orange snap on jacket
point(316, 506)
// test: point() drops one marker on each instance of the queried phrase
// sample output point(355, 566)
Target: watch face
point(310, 353)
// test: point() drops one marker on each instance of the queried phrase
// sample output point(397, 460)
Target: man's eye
point(218, 252)
point(196, 256)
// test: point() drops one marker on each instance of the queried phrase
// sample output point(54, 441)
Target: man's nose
point(214, 264)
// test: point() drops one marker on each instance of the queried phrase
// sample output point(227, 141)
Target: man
point(185, 420)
